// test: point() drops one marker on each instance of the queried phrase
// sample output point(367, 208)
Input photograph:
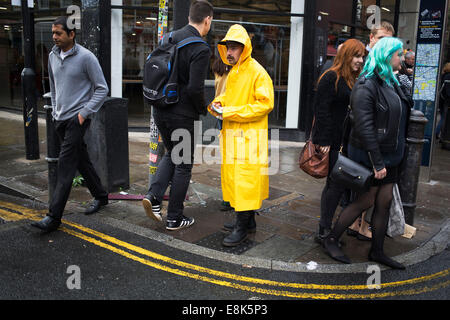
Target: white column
point(116, 50)
point(295, 65)
point(407, 23)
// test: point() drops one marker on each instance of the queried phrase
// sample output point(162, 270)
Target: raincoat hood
point(236, 33)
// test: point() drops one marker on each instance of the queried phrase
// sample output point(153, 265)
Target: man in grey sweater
point(78, 89)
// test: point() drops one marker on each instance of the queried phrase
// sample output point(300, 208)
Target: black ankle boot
point(251, 227)
point(240, 231)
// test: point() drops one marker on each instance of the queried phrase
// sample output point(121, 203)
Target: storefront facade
point(292, 39)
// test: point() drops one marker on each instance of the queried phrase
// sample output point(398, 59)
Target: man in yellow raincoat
point(244, 108)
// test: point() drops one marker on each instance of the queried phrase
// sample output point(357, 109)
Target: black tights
point(381, 197)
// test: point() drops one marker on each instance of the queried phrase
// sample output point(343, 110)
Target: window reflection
point(270, 40)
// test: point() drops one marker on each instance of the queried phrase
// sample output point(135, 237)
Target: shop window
point(270, 40)
point(257, 5)
point(11, 61)
point(140, 37)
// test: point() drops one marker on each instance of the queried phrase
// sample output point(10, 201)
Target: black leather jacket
point(376, 111)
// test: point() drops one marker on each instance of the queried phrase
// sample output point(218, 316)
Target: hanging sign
point(426, 72)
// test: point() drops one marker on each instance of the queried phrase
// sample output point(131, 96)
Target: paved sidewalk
point(286, 224)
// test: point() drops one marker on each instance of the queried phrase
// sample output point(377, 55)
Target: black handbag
point(351, 174)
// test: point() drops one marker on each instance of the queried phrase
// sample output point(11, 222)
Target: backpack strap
point(169, 38)
point(190, 40)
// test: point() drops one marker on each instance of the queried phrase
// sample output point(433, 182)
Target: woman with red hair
point(330, 110)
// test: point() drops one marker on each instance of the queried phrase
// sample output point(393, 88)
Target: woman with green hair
point(377, 140)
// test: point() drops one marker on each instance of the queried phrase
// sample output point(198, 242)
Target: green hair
point(379, 60)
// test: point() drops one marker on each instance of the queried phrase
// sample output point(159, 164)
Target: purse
point(312, 160)
point(351, 174)
point(396, 225)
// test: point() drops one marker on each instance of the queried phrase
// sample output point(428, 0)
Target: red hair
point(343, 62)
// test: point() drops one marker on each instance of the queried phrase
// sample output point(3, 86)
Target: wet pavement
point(285, 225)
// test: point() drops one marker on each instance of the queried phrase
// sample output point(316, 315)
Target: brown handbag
point(312, 160)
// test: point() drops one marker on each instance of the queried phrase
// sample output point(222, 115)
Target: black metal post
point(30, 115)
point(309, 67)
point(53, 147)
point(180, 13)
point(410, 168)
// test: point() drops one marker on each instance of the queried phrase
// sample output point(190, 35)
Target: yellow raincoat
point(247, 101)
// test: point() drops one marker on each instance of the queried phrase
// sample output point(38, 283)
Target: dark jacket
point(444, 90)
point(193, 64)
point(404, 70)
point(376, 111)
point(330, 111)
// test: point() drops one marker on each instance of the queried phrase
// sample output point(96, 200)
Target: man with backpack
point(191, 66)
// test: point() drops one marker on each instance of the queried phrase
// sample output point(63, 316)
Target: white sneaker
point(179, 224)
point(152, 211)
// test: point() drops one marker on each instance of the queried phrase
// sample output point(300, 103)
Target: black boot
point(251, 227)
point(240, 231)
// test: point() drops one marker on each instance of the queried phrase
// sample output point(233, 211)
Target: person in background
point(220, 71)
point(385, 29)
point(331, 109)
point(444, 100)
point(382, 152)
point(407, 66)
point(403, 79)
point(329, 63)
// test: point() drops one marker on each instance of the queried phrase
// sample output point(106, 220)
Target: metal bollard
point(30, 114)
point(53, 147)
point(410, 167)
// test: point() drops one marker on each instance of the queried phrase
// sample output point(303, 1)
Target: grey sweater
point(77, 83)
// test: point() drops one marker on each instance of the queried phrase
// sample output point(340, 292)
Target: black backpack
point(160, 83)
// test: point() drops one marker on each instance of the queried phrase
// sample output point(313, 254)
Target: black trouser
point(331, 195)
point(73, 156)
point(175, 167)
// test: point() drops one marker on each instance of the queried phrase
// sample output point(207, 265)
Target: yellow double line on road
point(26, 213)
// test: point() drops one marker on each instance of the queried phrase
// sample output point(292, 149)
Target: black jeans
point(73, 156)
point(331, 195)
point(176, 165)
